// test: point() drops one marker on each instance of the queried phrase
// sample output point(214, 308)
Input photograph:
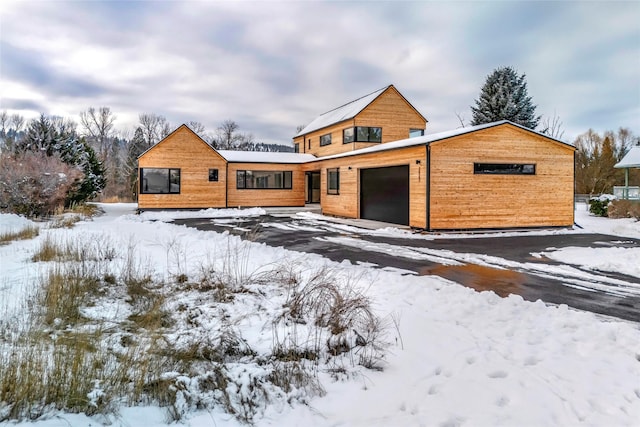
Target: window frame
point(296, 147)
point(358, 132)
point(216, 175)
point(241, 179)
point(336, 190)
point(503, 168)
point(171, 172)
point(421, 131)
point(323, 144)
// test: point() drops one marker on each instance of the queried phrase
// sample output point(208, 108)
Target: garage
point(384, 194)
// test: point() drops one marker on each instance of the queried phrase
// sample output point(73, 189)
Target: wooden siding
point(347, 203)
point(266, 197)
point(390, 111)
point(461, 199)
point(184, 150)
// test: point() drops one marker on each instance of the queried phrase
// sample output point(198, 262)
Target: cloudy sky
point(274, 65)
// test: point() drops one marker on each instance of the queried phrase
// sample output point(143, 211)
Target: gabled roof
point(346, 112)
point(428, 139)
point(265, 157)
point(175, 131)
point(631, 159)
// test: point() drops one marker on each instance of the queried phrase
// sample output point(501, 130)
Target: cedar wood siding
point(347, 203)
point(390, 111)
point(185, 150)
point(266, 197)
point(461, 199)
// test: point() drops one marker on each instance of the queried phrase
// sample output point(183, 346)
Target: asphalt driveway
point(505, 265)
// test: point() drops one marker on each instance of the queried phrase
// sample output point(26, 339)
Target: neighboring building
point(498, 175)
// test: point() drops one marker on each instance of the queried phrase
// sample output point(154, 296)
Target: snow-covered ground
point(457, 357)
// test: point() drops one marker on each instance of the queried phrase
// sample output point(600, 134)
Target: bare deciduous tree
point(552, 126)
point(98, 127)
point(17, 122)
point(154, 127)
point(197, 127)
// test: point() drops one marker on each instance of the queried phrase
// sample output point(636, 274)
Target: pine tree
point(504, 97)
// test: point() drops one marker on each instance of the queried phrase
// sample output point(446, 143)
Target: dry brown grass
point(26, 233)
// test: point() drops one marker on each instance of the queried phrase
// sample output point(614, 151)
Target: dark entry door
point(313, 187)
point(384, 194)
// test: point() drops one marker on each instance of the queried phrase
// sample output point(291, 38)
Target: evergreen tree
point(504, 97)
point(57, 137)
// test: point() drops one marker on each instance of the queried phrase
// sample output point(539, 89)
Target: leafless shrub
point(624, 209)
point(34, 184)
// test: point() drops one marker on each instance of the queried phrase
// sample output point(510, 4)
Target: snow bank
point(11, 223)
point(204, 213)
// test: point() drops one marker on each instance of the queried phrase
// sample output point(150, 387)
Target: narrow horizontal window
point(504, 168)
point(416, 132)
point(213, 175)
point(268, 180)
point(348, 136)
point(333, 181)
point(325, 140)
point(159, 181)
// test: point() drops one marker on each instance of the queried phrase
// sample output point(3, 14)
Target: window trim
point(323, 144)
point(516, 168)
point(241, 180)
point(337, 189)
point(355, 134)
point(215, 176)
point(170, 171)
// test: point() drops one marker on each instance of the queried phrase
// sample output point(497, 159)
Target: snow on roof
point(631, 159)
point(344, 112)
point(265, 157)
point(427, 139)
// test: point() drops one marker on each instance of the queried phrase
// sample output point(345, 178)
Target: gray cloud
point(272, 66)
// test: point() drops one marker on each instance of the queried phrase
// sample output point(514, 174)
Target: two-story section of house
point(381, 116)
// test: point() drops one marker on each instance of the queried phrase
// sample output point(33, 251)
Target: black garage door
point(384, 194)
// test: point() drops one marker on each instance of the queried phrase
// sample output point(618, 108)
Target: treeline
point(51, 161)
point(596, 156)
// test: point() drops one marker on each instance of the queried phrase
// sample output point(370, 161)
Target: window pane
point(288, 179)
point(416, 132)
point(504, 169)
point(154, 181)
point(333, 181)
point(375, 134)
point(362, 133)
point(213, 174)
point(347, 135)
point(265, 179)
point(325, 139)
point(174, 179)
point(240, 182)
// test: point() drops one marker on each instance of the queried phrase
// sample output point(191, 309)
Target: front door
point(313, 187)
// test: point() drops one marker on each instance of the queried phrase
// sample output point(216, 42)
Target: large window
point(159, 181)
point(504, 169)
point(325, 139)
point(264, 179)
point(333, 181)
point(362, 134)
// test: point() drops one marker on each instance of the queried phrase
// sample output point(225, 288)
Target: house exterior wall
point(184, 150)
point(347, 203)
point(460, 199)
point(266, 197)
point(389, 111)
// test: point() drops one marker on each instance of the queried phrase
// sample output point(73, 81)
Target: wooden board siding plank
point(461, 199)
point(266, 197)
point(347, 203)
point(186, 151)
point(390, 111)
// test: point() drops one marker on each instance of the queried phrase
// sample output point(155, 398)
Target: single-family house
point(371, 159)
